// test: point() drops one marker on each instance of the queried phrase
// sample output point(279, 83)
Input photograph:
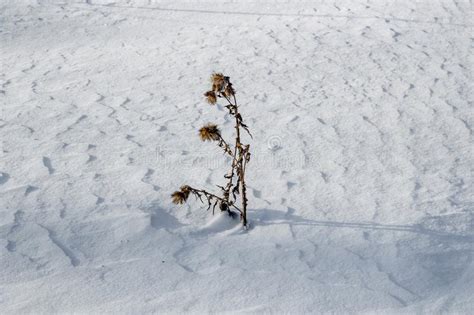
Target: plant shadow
point(266, 217)
point(161, 219)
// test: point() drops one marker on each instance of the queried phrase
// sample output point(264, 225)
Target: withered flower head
point(179, 197)
point(211, 97)
point(209, 132)
point(186, 190)
point(229, 90)
point(218, 82)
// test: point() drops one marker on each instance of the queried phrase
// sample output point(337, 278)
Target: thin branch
point(208, 195)
point(224, 145)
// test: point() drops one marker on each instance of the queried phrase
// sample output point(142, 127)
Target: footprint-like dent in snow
point(66, 250)
point(295, 118)
point(395, 34)
point(4, 177)
point(131, 139)
point(29, 189)
point(257, 193)
point(80, 119)
point(148, 173)
point(11, 246)
point(91, 158)
point(99, 200)
point(147, 180)
point(124, 103)
point(48, 165)
point(325, 177)
point(18, 221)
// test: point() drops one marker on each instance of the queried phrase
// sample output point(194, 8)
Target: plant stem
point(234, 161)
point(223, 144)
point(241, 172)
point(208, 194)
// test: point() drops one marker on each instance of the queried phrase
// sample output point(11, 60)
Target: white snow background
point(360, 186)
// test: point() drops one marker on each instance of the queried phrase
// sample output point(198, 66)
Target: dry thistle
point(211, 97)
point(218, 82)
point(180, 196)
point(240, 153)
point(229, 90)
point(210, 132)
point(186, 190)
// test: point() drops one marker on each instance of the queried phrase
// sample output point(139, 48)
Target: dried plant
point(221, 88)
point(210, 132)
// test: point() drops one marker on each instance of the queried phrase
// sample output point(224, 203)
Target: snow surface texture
point(361, 183)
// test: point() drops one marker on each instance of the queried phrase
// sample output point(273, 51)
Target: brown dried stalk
point(222, 88)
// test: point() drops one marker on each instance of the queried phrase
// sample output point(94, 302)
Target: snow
point(360, 183)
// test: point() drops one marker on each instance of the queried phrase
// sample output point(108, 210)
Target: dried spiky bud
point(186, 190)
point(211, 97)
point(218, 81)
point(210, 132)
point(229, 90)
point(179, 197)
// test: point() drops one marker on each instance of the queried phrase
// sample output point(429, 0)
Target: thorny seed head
point(185, 189)
point(209, 132)
point(229, 90)
point(211, 97)
point(219, 82)
point(179, 197)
